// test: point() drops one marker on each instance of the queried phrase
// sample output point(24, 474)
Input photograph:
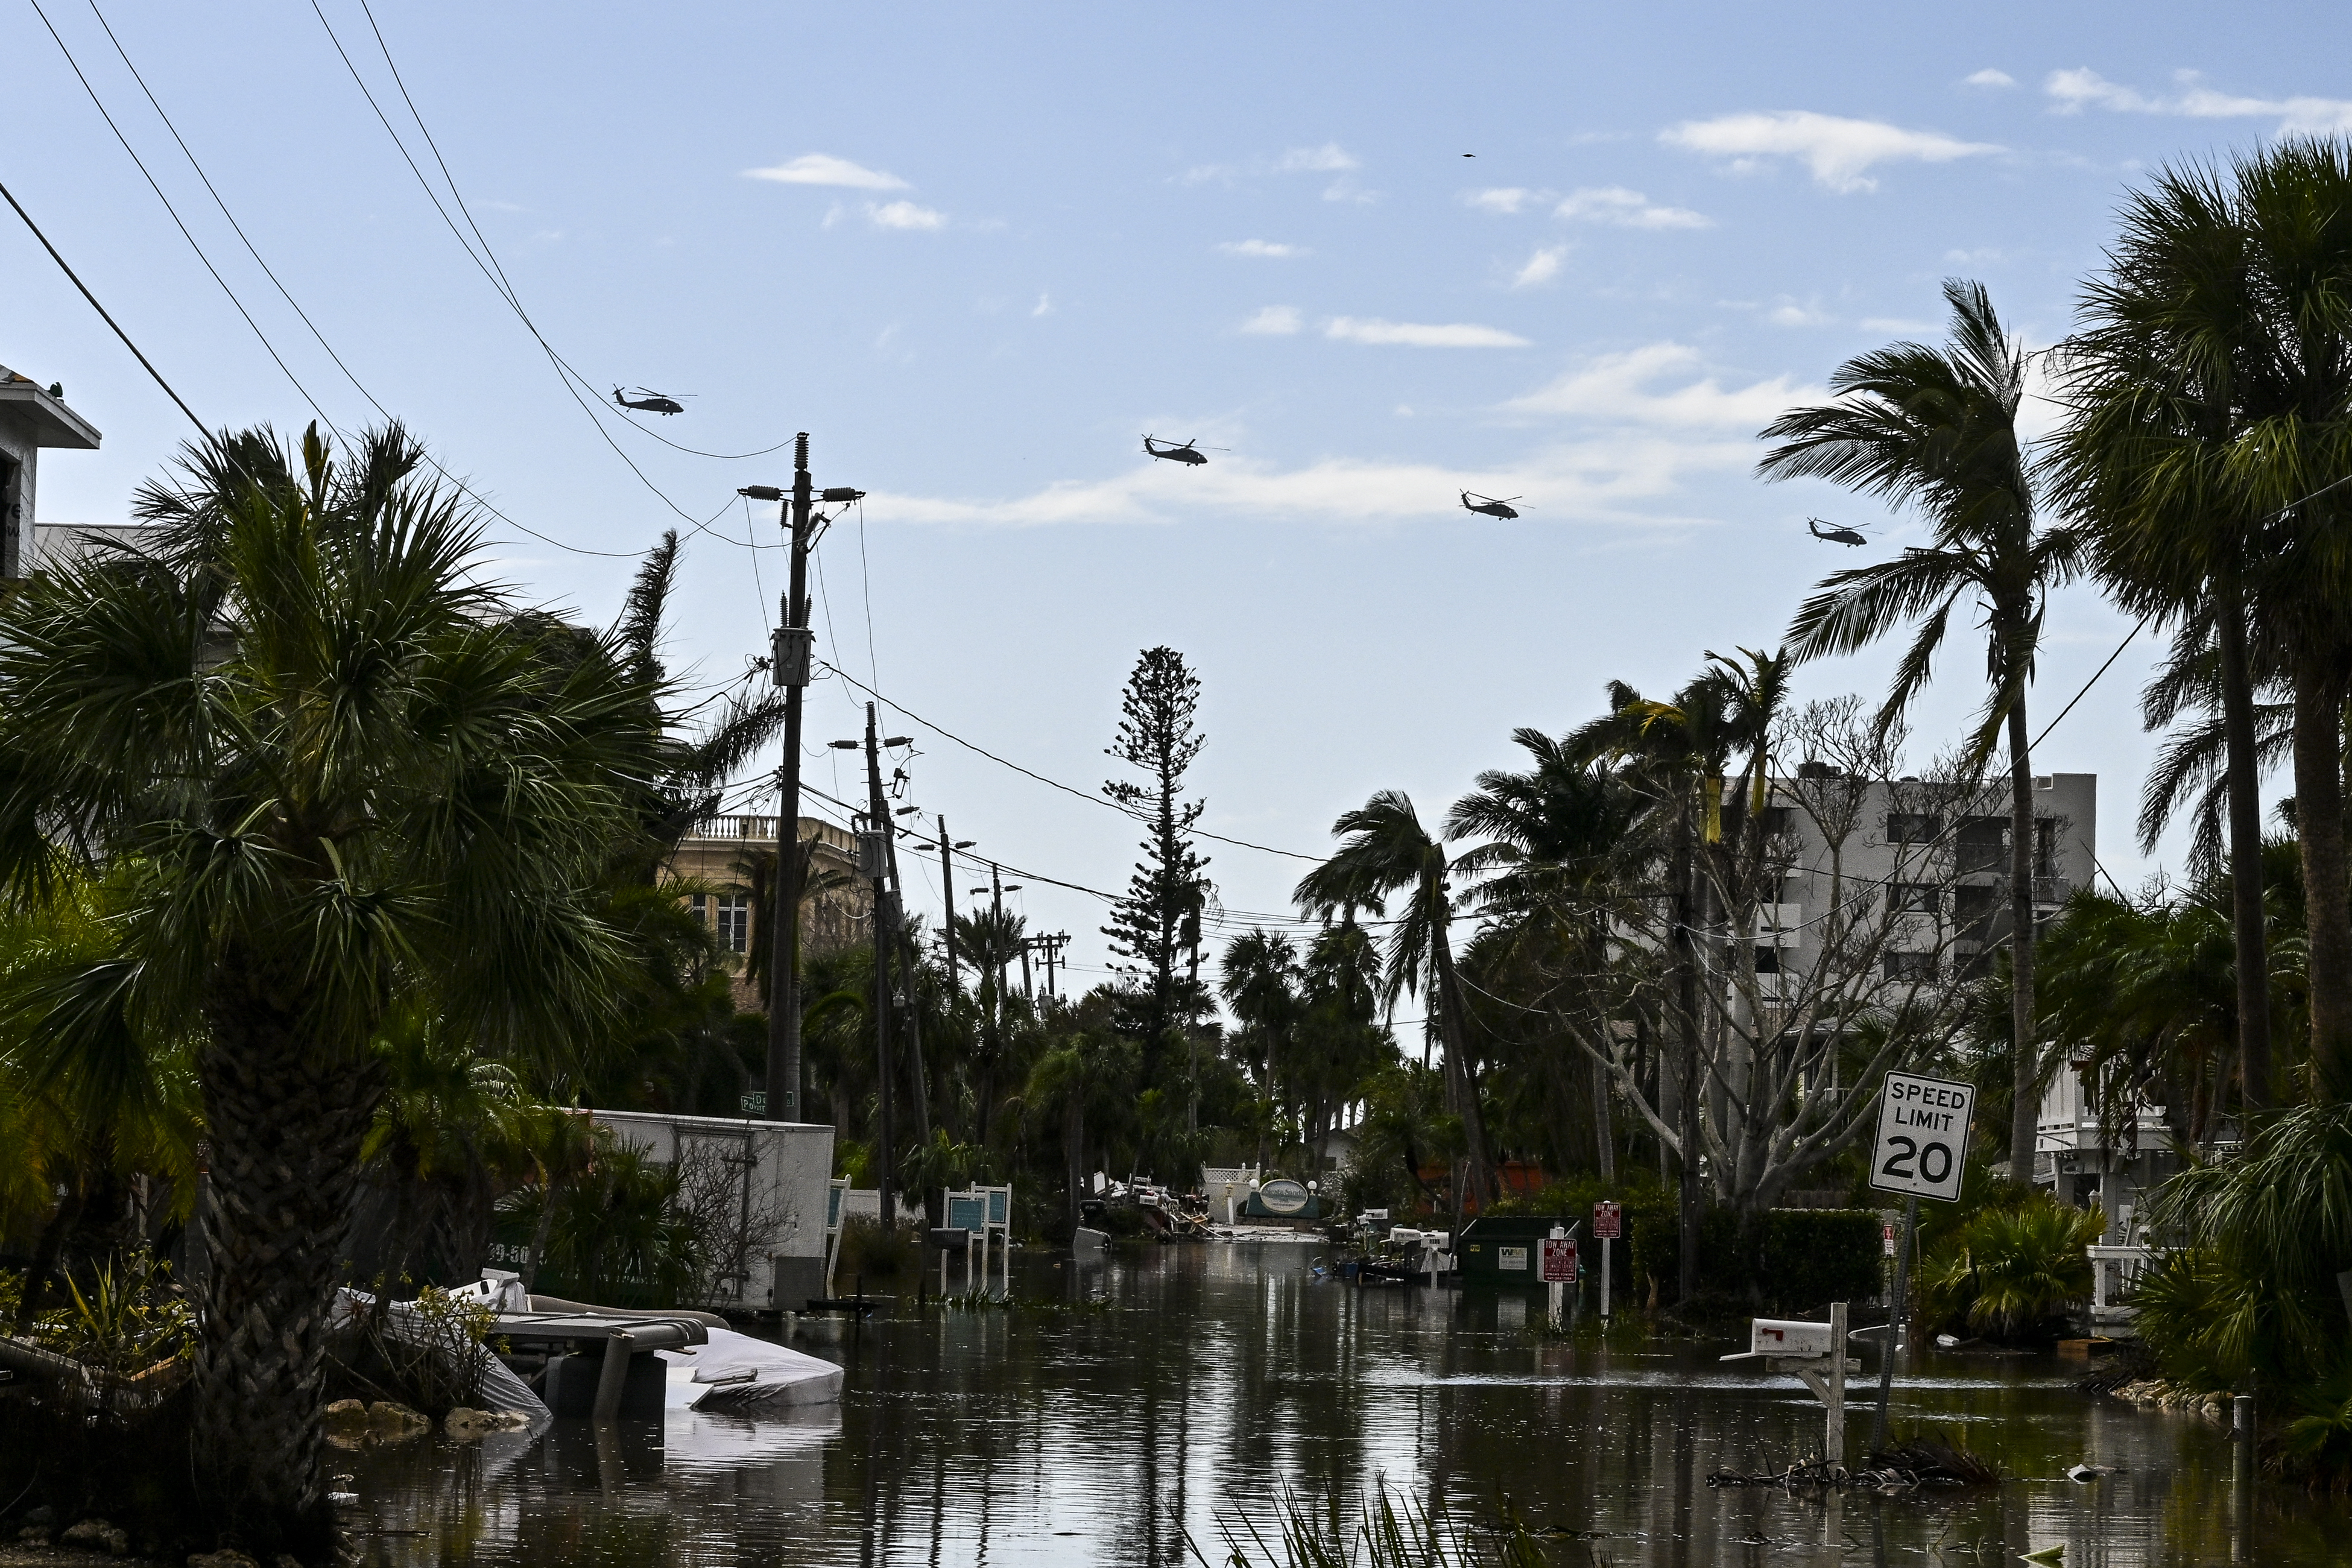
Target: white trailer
point(760, 1190)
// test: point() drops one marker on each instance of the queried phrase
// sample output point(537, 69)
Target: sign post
point(1923, 1140)
point(1559, 1263)
point(1607, 1224)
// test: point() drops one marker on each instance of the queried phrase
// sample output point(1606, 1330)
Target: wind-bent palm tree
point(1936, 428)
point(336, 774)
point(1387, 850)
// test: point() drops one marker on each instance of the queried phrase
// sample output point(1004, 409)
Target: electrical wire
point(75, 277)
point(1040, 778)
point(486, 261)
point(262, 336)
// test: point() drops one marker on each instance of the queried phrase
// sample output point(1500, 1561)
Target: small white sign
point(1923, 1135)
point(1511, 1258)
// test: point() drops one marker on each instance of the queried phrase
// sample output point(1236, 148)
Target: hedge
point(1784, 1260)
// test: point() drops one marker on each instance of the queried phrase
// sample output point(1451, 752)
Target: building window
point(734, 922)
point(1913, 827)
point(1983, 844)
point(1768, 961)
point(1916, 898)
point(1779, 819)
point(1908, 965)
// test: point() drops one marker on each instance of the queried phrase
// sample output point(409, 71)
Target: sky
point(1367, 256)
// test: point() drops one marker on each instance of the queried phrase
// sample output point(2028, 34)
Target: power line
point(1040, 778)
point(144, 362)
point(486, 261)
point(267, 346)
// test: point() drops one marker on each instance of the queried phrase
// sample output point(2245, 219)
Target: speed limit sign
point(1923, 1133)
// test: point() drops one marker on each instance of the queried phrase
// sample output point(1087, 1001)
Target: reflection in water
point(1211, 1379)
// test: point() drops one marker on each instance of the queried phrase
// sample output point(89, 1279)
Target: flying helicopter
point(1834, 535)
point(1489, 505)
point(1186, 452)
point(651, 402)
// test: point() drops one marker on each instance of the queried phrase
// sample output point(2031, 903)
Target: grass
point(1381, 1531)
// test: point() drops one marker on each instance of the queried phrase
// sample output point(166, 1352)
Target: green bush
point(1783, 1260)
point(2011, 1271)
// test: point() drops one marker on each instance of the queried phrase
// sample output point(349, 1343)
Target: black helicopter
point(1834, 535)
point(650, 402)
point(1174, 453)
point(1488, 504)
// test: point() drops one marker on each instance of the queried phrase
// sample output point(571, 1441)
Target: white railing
point(735, 827)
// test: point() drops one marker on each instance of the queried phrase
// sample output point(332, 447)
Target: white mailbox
point(1787, 1337)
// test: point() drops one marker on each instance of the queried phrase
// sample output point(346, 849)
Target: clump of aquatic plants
point(1381, 1531)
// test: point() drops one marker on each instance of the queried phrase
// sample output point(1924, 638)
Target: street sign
point(755, 1103)
point(1923, 1133)
point(1608, 1220)
point(1886, 1238)
point(1560, 1260)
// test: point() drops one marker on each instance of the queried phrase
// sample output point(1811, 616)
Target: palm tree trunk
point(286, 1123)
point(1073, 1146)
point(2025, 1111)
point(2319, 818)
point(1457, 1068)
point(1603, 1134)
point(2245, 845)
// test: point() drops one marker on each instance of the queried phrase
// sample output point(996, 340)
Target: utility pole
point(947, 889)
point(1027, 989)
point(877, 867)
point(916, 1076)
point(997, 901)
point(789, 659)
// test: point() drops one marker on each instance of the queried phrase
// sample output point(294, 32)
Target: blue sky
point(977, 252)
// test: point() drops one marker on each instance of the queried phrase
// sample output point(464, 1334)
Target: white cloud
point(1839, 151)
point(1990, 78)
point(1541, 267)
point(1505, 199)
point(1420, 335)
point(904, 215)
point(1626, 209)
point(1627, 478)
point(1898, 324)
point(823, 169)
point(1045, 305)
point(1273, 322)
point(1620, 388)
point(1656, 418)
point(1789, 313)
point(2072, 91)
point(1329, 159)
point(1265, 247)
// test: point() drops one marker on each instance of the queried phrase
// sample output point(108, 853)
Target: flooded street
point(1184, 1390)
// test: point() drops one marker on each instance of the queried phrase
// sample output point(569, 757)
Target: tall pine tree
point(1153, 927)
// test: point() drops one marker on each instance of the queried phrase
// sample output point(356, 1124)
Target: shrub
point(2011, 1271)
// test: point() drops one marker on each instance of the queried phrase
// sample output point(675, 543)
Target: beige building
point(837, 906)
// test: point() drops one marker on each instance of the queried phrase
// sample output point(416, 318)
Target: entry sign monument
point(1923, 1135)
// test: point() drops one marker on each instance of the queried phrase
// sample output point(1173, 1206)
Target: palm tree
point(2210, 446)
point(2145, 461)
point(335, 772)
point(1556, 843)
point(1936, 428)
point(1387, 850)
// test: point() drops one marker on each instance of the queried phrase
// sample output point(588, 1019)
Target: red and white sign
point(1887, 1238)
point(1608, 1221)
point(1560, 1260)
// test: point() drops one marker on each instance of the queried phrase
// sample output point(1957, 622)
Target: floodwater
point(1202, 1382)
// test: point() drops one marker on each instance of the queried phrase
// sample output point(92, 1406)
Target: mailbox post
point(1814, 1352)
